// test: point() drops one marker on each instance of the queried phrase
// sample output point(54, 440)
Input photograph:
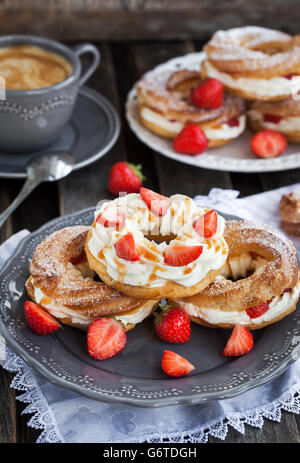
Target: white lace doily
point(235, 156)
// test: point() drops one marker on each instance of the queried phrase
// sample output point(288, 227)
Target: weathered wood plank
point(25, 433)
point(5, 200)
point(40, 207)
point(8, 423)
point(247, 184)
point(142, 19)
point(136, 152)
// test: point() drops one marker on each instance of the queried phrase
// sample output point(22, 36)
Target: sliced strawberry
point(287, 290)
point(233, 122)
point(258, 310)
point(111, 216)
point(239, 343)
point(175, 365)
point(272, 118)
point(125, 177)
point(207, 224)
point(208, 95)
point(268, 143)
point(40, 321)
point(158, 204)
point(126, 249)
point(75, 260)
point(177, 256)
point(106, 337)
point(191, 140)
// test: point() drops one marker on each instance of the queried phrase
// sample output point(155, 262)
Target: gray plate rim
point(113, 134)
point(185, 399)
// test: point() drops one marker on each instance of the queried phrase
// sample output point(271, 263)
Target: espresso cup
point(32, 119)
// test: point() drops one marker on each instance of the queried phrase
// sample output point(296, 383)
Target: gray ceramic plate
point(134, 376)
point(92, 130)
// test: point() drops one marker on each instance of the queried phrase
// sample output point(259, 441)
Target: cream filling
point(276, 86)
point(277, 306)
point(222, 132)
point(286, 124)
point(150, 270)
point(60, 311)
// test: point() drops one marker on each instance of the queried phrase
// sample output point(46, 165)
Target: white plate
point(235, 156)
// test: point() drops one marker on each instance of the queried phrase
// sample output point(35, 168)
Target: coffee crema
point(27, 67)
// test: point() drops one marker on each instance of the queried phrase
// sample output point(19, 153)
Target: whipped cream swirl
point(177, 224)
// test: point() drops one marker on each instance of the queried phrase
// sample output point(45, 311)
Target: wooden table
point(122, 64)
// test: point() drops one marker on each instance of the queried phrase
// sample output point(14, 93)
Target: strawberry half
point(239, 343)
point(174, 365)
point(126, 249)
point(125, 177)
point(190, 140)
point(111, 216)
point(207, 224)
point(40, 321)
point(177, 256)
point(158, 204)
point(208, 95)
point(172, 324)
point(106, 337)
point(258, 310)
point(268, 143)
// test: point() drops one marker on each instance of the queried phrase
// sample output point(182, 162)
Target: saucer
point(92, 130)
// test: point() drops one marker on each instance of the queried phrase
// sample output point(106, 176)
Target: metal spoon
point(43, 168)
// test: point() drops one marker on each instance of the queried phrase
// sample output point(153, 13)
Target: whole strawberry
point(39, 320)
point(172, 324)
point(125, 177)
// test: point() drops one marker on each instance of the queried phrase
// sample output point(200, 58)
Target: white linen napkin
point(64, 416)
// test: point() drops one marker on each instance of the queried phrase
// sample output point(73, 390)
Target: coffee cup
point(30, 119)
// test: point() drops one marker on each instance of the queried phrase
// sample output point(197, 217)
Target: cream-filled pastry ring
point(282, 116)
point(61, 282)
point(151, 274)
point(165, 108)
point(261, 270)
point(254, 62)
